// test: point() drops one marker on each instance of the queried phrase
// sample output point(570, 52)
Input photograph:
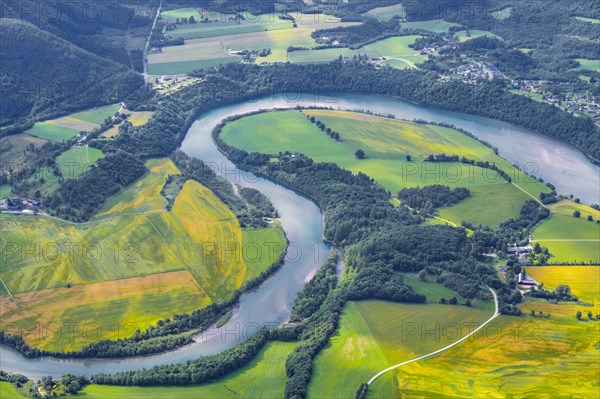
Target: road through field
point(496, 314)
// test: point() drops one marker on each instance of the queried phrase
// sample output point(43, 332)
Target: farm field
point(465, 35)
point(387, 13)
point(570, 239)
point(264, 377)
point(106, 310)
point(5, 191)
point(65, 127)
point(394, 49)
point(211, 51)
point(376, 334)
point(135, 238)
point(386, 143)
point(435, 25)
point(591, 65)
point(500, 363)
point(252, 23)
point(172, 15)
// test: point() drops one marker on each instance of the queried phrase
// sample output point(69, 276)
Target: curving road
point(496, 314)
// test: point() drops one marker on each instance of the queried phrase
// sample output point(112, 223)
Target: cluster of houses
point(171, 84)
point(477, 72)
point(575, 102)
point(520, 252)
point(18, 205)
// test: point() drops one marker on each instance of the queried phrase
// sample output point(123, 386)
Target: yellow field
point(137, 118)
point(134, 236)
point(520, 356)
point(69, 318)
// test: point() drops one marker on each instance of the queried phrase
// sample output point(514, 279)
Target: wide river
point(269, 305)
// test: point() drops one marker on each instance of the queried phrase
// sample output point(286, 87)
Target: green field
point(76, 161)
point(434, 292)
point(386, 143)
point(65, 127)
point(5, 191)
point(254, 23)
point(96, 115)
point(261, 248)
point(394, 49)
point(465, 35)
point(519, 356)
point(181, 67)
point(116, 266)
point(8, 391)
point(591, 20)
point(264, 377)
point(172, 15)
point(591, 65)
point(48, 131)
point(376, 334)
point(502, 14)
point(387, 13)
point(210, 51)
point(436, 25)
point(570, 239)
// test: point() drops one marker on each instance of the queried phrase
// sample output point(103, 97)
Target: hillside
point(42, 75)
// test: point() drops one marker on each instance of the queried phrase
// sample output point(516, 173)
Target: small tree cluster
point(331, 133)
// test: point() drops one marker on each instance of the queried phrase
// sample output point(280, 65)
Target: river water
point(269, 305)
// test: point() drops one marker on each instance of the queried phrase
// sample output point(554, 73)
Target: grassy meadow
point(395, 50)
point(591, 65)
point(502, 14)
point(465, 35)
point(133, 240)
point(386, 143)
point(376, 334)
point(63, 128)
point(388, 12)
point(261, 248)
point(14, 150)
point(264, 377)
point(522, 356)
point(253, 23)
point(570, 239)
point(434, 25)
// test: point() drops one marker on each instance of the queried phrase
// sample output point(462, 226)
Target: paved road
point(496, 313)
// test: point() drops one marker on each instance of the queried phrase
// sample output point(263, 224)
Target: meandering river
point(563, 165)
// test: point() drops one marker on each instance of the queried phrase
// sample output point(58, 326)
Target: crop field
point(65, 127)
point(144, 195)
point(435, 25)
point(134, 237)
point(137, 118)
point(264, 377)
point(253, 23)
point(172, 15)
point(465, 35)
point(386, 143)
point(546, 357)
point(591, 65)
point(394, 49)
point(570, 239)
point(210, 51)
point(502, 14)
point(107, 310)
point(376, 334)
point(387, 13)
